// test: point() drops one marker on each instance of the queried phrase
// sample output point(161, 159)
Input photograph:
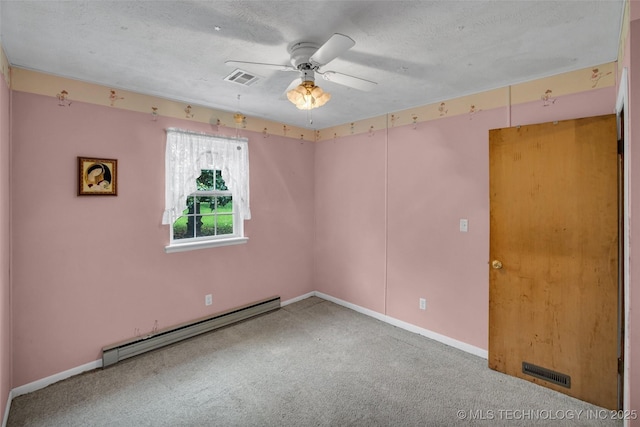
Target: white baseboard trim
point(296, 299)
point(353, 307)
point(7, 408)
point(468, 348)
point(42, 383)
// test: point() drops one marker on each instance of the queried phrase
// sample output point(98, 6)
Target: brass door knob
point(496, 264)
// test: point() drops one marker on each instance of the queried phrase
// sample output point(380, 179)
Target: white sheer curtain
point(187, 153)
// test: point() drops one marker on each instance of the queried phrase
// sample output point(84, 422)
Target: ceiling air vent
point(242, 77)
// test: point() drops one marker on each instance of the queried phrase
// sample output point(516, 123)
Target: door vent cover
point(546, 374)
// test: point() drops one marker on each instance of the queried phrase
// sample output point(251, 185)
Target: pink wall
point(438, 174)
point(5, 258)
point(350, 219)
point(91, 271)
point(386, 256)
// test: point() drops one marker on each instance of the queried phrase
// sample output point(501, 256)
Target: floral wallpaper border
point(545, 91)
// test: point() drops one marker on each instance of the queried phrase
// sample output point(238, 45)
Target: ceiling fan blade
point(277, 67)
point(293, 84)
point(334, 47)
point(350, 81)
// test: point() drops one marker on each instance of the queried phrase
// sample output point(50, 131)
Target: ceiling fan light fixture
point(307, 96)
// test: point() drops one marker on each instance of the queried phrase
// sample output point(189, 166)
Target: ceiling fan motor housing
point(300, 54)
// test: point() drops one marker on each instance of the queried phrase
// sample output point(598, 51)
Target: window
point(206, 190)
point(209, 210)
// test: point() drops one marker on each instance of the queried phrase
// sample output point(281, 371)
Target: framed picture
point(97, 177)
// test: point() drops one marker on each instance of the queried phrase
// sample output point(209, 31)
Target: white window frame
point(237, 237)
point(207, 158)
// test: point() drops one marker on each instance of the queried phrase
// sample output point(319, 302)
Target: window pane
point(205, 216)
point(225, 224)
point(182, 227)
point(206, 205)
point(189, 208)
point(220, 184)
point(205, 225)
point(206, 180)
point(224, 217)
point(225, 204)
point(210, 179)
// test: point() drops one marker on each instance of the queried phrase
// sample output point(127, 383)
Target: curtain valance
point(188, 153)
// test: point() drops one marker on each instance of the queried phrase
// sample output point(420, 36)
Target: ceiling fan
point(308, 59)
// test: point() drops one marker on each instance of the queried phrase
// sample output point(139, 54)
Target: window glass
point(210, 210)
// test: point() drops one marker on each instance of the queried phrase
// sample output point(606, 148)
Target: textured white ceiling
point(419, 52)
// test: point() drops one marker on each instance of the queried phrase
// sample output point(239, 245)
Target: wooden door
point(553, 288)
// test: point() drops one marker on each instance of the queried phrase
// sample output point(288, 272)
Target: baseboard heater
point(114, 353)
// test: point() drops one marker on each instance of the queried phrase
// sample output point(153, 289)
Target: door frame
point(622, 108)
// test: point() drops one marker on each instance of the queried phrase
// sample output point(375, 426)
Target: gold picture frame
point(97, 177)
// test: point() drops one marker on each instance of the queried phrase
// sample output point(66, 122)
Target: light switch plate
point(464, 225)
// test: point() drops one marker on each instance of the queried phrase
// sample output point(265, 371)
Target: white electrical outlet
point(423, 304)
point(208, 299)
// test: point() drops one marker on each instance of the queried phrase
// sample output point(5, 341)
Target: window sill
point(182, 247)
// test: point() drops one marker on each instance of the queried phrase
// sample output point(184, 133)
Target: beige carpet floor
point(311, 363)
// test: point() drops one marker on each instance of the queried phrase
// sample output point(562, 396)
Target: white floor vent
point(114, 353)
